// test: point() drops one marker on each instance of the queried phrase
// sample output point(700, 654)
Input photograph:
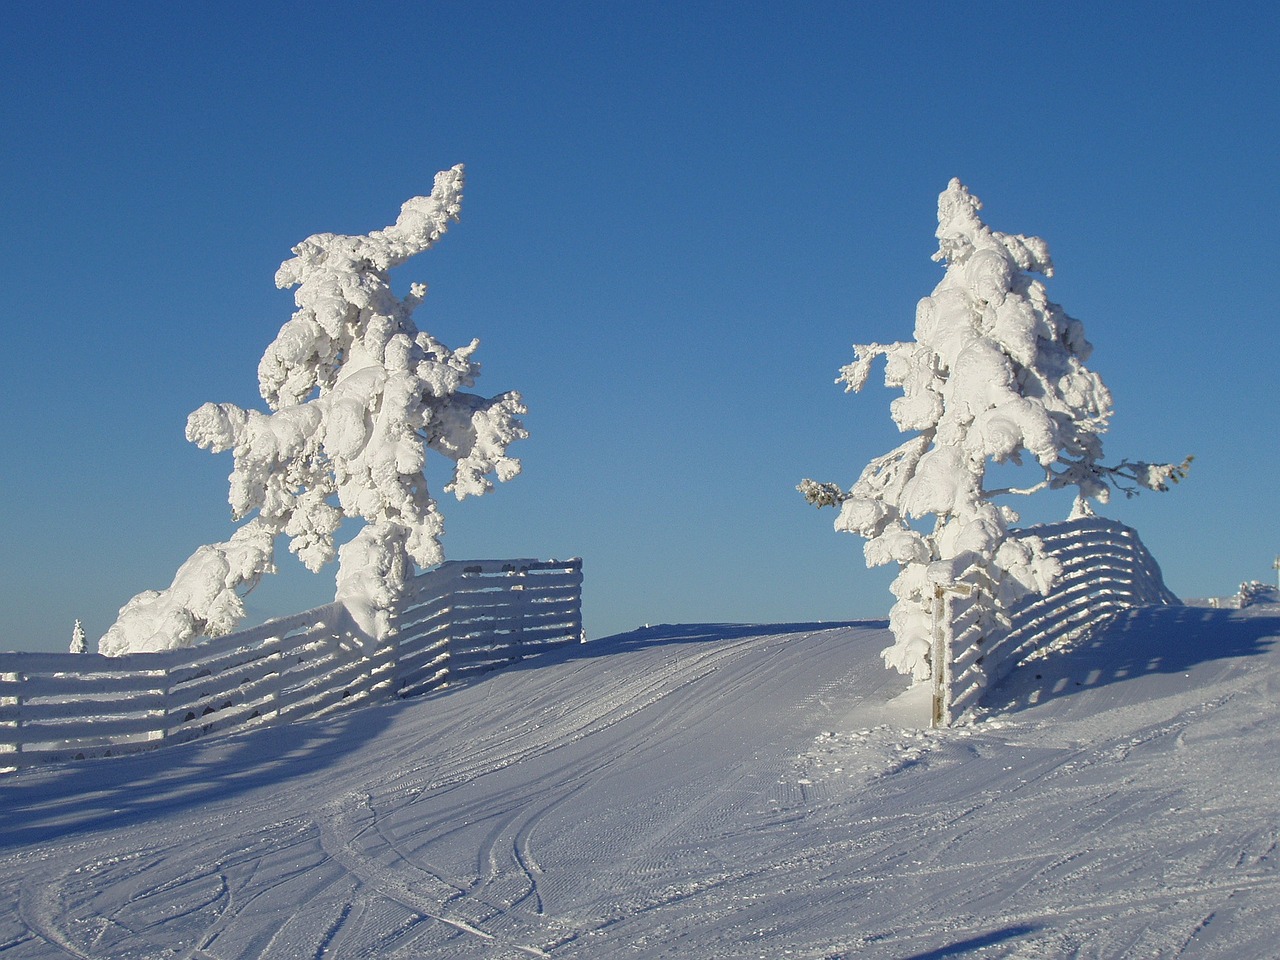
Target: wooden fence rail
point(458, 619)
point(1105, 569)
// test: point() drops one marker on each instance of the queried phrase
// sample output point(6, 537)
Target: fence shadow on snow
point(1135, 643)
point(979, 638)
point(57, 801)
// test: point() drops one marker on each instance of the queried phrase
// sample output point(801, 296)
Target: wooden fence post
point(943, 635)
point(939, 658)
point(168, 693)
point(20, 679)
point(520, 589)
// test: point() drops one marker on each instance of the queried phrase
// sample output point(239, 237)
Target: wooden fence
point(456, 620)
point(1105, 569)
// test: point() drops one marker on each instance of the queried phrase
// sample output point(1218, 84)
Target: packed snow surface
point(706, 792)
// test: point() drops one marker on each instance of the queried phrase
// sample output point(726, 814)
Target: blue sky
point(678, 218)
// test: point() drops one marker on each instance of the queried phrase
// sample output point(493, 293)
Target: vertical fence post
point(939, 658)
point(168, 694)
point(392, 643)
point(522, 607)
point(576, 564)
point(19, 678)
point(940, 668)
point(277, 688)
point(20, 702)
point(450, 619)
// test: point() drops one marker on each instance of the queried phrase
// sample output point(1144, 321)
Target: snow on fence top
point(1105, 568)
point(458, 619)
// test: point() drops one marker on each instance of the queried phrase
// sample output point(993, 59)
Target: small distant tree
point(78, 644)
point(1254, 592)
point(996, 371)
point(357, 396)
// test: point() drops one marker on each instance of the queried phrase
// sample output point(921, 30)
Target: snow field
point(707, 792)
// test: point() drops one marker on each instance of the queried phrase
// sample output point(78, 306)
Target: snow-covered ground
point(704, 792)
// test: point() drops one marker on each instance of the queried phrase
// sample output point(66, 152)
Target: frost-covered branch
point(356, 395)
point(203, 600)
point(1148, 476)
point(1045, 484)
point(822, 494)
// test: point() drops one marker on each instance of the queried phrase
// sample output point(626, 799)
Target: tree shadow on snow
point(115, 792)
point(1136, 643)
point(962, 947)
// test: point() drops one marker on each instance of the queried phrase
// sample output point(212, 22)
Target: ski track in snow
point(716, 792)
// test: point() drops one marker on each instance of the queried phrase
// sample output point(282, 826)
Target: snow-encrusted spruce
point(357, 395)
point(78, 644)
point(996, 370)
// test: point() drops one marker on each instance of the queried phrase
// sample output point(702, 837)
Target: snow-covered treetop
point(357, 396)
point(78, 644)
point(996, 370)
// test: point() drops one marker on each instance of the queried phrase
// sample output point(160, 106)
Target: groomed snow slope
point(699, 792)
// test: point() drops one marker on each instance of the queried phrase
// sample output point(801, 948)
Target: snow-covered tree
point(78, 644)
point(357, 395)
point(996, 371)
point(1254, 592)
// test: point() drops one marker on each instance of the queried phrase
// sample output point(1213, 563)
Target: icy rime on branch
point(996, 371)
point(357, 395)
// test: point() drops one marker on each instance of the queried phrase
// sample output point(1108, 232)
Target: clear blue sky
point(679, 216)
